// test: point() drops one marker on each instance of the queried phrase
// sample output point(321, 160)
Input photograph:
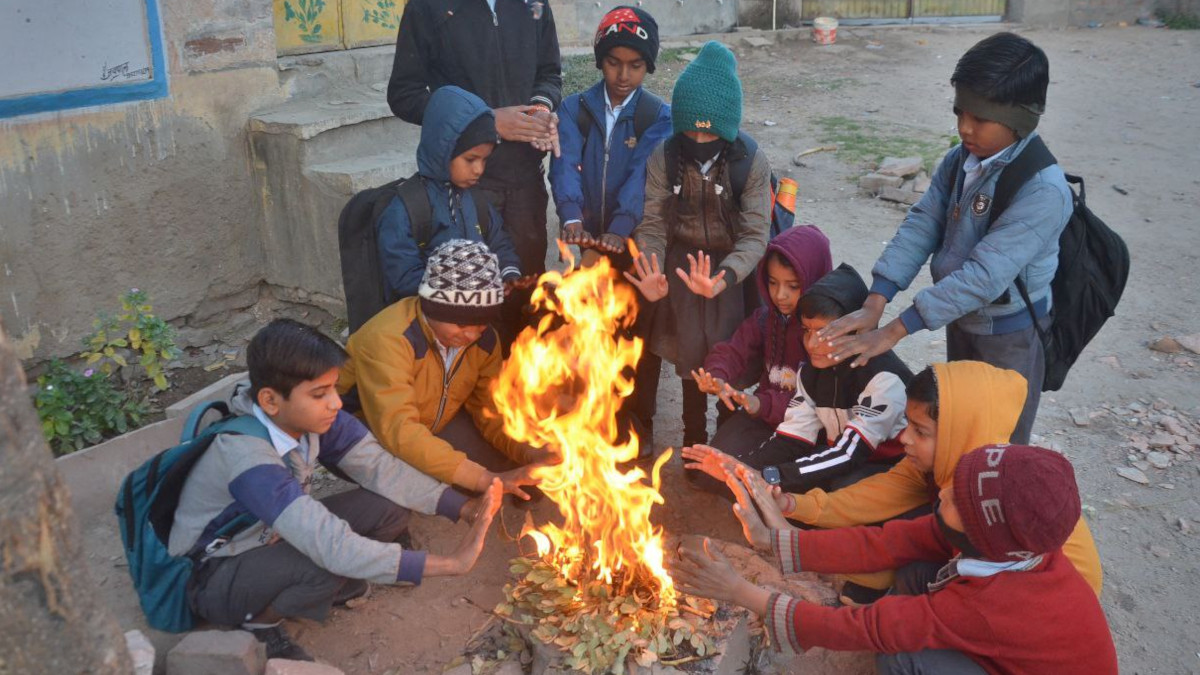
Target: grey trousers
point(462, 434)
point(912, 580)
point(230, 591)
point(1021, 351)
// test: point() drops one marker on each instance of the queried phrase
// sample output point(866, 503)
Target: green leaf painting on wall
point(306, 14)
point(382, 13)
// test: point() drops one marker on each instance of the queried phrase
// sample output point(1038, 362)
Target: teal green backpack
point(145, 511)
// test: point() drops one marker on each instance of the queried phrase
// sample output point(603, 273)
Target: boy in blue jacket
point(457, 138)
point(999, 95)
point(599, 182)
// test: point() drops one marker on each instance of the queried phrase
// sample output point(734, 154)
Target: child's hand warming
point(513, 480)
point(697, 277)
point(771, 501)
point(710, 460)
point(707, 383)
point(705, 572)
point(648, 277)
point(611, 243)
point(756, 531)
point(573, 234)
point(737, 397)
point(464, 557)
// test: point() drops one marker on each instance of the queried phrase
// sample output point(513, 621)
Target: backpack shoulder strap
point(412, 194)
point(583, 120)
point(483, 211)
point(1035, 157)
point(191, 428)
point(741, 159)
point(645, 114)
point(671, 161)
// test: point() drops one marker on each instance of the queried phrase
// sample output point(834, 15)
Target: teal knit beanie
point(708, 94)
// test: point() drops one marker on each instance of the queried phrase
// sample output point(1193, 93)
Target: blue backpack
point(145, 510)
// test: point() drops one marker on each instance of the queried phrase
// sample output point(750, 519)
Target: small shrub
point(1179, 20)
point(82, 409)
point(135, 332)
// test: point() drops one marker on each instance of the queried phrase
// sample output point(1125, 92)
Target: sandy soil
point(1123, 112)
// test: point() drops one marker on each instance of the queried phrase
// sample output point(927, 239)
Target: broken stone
point(899, 196)
point(1190, 342)
point(234, 652)
point(873, 183)
point(1184, 526)
point(1166, 345)
point(1160, 460)
point(756, 41)
point(289, 667)
point(1161, 440)
point(1160, 551)
point(1141, 465)
point(909, 166)
point(1172, 426)
point(1135, 475)
point(921, 183)
point(1110, 361)
point(141, 652)
point(1080, 417)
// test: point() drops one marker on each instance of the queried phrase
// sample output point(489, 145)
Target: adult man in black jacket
point(505, 52)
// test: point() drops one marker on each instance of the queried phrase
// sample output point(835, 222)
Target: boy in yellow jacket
point(421, 374)
point(952, 409)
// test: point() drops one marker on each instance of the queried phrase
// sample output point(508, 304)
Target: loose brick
point(288, 667)
point(214, 652)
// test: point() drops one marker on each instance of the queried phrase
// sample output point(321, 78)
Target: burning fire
point(562, 389)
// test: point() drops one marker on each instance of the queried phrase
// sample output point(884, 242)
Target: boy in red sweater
point(1008, 601)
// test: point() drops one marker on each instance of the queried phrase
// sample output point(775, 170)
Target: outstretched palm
point(698, 277)
point(648, 277)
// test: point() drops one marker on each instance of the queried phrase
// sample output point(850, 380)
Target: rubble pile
point(897, 179)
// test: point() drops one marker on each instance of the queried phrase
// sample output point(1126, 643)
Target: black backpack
point(362, 273)
point(1093, 264)
point(738, 163)
point(645, 113)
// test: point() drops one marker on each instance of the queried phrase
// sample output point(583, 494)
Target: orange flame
point(562, 388)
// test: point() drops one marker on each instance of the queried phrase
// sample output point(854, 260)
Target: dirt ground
point(1124, 111)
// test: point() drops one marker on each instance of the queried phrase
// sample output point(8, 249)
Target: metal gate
point(868, 11)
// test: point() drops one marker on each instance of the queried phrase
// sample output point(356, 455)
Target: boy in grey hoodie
point(1000, 93)
point(304, 555)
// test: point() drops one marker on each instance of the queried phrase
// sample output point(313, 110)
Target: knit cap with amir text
point(462, 284)
point(708, 94)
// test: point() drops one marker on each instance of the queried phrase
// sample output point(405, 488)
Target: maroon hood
point(807, 248)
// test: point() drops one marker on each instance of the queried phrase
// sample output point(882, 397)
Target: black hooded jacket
point(507, 57)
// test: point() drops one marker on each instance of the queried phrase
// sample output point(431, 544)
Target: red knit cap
point(1016, 501)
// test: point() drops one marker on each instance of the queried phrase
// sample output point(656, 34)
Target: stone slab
point(354, 174)
point(141, 652)
point(215, 652)
point(873, 183)
point(900, 166)
point(289, 667)
point(307, 117)
point(899, 196)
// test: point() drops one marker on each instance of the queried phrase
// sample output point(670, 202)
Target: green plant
point(305, 17)
point(1179, 20)
point(81, 409)
point(135, 331)
point(382, 13)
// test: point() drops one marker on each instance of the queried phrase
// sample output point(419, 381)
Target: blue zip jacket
point(607, 201)
point(449, 112)
point(974, 266)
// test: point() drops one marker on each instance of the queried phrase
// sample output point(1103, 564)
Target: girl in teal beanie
point(707, 217)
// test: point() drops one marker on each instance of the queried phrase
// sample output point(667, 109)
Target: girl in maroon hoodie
point(768, 346)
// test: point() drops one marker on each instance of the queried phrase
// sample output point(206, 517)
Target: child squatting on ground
point(843, 423)
point(421, 374)
point(304, 554)
point(457, 138)
point(768, 346)
point(1007, 600)
point(999, 95)
point(696, 227)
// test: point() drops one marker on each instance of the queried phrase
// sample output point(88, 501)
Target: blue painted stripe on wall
point(156, 87)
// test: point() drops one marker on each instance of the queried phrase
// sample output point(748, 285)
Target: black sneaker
point(351, 590)
point(857, 595)
point(279, 644)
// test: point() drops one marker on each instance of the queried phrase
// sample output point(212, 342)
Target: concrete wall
point(155, 194)
point(1085, 12)
point(576, 20)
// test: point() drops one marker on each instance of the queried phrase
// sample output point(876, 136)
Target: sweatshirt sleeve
point(651, 233)
point(352, 449)
point(399, 256)
point(566, 173)
point(919, 234)
point(752, 226)
point(263, 485)
point(853, 550)
point(870, 500)
point(728, 359)
point(631, 198)
point(382, 367)
point(547, 83)
point(408, 86)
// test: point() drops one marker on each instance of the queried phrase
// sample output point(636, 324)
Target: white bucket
point(824, 30)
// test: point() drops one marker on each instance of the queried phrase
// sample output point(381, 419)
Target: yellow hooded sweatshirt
point(978, 404)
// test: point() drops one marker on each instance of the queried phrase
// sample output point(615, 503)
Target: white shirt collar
point(619, 107)
point(973, 163)
point(282, 441)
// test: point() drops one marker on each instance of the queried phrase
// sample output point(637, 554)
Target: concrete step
point(354, 174)
point(348, 121)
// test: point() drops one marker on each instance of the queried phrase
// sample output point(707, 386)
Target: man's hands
point(513, 480)
point(697, 277)
point(549, 142)
point(648, 277)
point(532, 124)
point(464, 557)
point(858, 333)
point(520, 283)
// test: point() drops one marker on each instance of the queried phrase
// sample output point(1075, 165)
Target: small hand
point(737, 397)
point(705, 572)
point(706, 382)
point(753, 527)
point(697, 277)
point(611, 243)
point(515, 479)
point(867, 345)
point(518, 124)
point(763, 497)
point(709, 460)
point(648, 277)
point(573, 234)
point(472, 545)
point(857, 321)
